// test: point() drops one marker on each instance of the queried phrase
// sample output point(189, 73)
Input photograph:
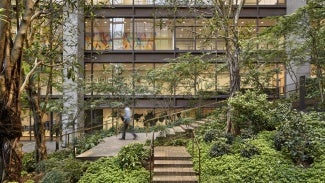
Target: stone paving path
point(112, 145)
point(109, 147)
point(29, 146)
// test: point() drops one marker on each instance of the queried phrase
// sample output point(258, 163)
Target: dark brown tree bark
point(39, 127)
point(10, 83)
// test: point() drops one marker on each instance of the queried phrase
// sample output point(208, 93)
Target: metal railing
point(196, 141)
point(152, 152)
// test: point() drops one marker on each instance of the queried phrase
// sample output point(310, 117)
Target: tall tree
point(11, 49)
point(42, 65)
point(222, 24)
point(303, 36)
point(228, 13)
point(26, 52)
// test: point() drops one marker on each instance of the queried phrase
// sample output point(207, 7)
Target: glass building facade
point(143, 35)
point(125, 39)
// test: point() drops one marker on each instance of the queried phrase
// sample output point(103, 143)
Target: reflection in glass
point(185, 34)
point(122, 2)
point(267, 2)
point(143, 38)
point(102, 34)
point(164, 35)
point(88, 34)
point(122, 34)
point(143, 2)
point(99, 2)
point(250, 2)
point(142, 86)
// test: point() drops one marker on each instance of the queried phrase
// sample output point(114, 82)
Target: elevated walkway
point(112, 145)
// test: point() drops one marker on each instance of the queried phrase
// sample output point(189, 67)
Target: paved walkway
point(29, 146)
point(112, 145)
point(109, 147)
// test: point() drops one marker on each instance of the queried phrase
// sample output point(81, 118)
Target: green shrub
point(248, 150)
point(247, 133)
point(269, 166)
point(71, 169)
point(29, 162)
point(127, 166)
point(252, 110)
point(108, 170)
point(91, 140)
point(54, 176)
point(219, 148)
point(211, 135)
point(175, 142)
point(133, 156)
point(296, 138)
point(47, 165)
point(61, 154)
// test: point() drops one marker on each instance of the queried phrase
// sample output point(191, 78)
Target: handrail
point(152, 152)
point(171, 115)
point(199, 152)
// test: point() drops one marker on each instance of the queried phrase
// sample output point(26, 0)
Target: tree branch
point(36, 64)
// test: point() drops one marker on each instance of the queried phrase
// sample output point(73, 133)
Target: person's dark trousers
point(126, 126)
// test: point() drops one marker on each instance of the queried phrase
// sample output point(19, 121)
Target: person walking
point(126, 123)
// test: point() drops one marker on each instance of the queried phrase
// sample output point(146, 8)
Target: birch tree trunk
point(228, 11)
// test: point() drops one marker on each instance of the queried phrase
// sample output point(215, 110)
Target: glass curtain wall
point(143, 34)
point(122, 33)
point(164, 34)
point(187, 35)
point(178, 2)
point(156, 34)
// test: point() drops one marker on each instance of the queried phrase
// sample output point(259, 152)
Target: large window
point(143, 2)
point(143, 38)
point(98, 2)
point(163, 34)
point(142, 86)
point(204, 39)
point(101, 35)
point(122, 34)
point(185, 34)
point(122, 2)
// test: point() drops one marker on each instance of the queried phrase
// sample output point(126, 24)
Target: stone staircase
point(173, 164)
point(180, 130)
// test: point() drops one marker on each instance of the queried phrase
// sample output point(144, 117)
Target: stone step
point(178, 129)
point(170, 132)
point(174, 179)
point(173, 163)
point(187, 128)
point(201, 122)
point(195, 125)
point(160, 135)
point(171, 153)
point(174, 171)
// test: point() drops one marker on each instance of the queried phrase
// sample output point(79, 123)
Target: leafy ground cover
point(292, 151)
point(275, 144)
point(128, 166)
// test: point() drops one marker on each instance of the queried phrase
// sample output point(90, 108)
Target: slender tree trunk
point(39, 129)
point(227, 12)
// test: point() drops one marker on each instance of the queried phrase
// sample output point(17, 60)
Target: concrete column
point(73, 34)
point(296, 70)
